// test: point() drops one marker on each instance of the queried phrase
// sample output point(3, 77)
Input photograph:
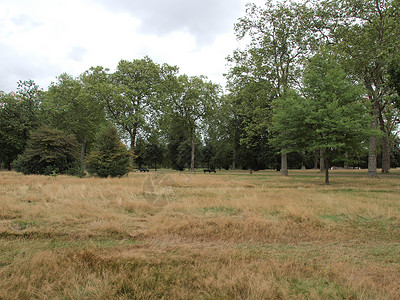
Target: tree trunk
point(326, 171)
point(132, 147)
point(234, 156)
point(372, 157)
point(284, 165)
point(385, 154)
point(132, 133)
point(385, 144)
point(373, 141)
point(192, 144)
point(322, 160)
point(315, 160)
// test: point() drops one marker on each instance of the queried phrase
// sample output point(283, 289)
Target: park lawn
point(179, 235)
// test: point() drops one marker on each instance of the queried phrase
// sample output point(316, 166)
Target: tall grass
point(229, 235)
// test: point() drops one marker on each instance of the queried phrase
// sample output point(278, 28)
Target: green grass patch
point(335, 218)
point(229, 211)
point(22, 224)
point(321, 287)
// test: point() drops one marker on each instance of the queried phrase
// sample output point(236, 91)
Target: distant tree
point(140, 151)
point(19, 114)
point(71, 105)
point(153, 154)
point(280, 38)
point(194, 98)
point(48, 151)
point(137, 87)
point(364, 33)
point(178, 142)
point(30, 96)
point(109, 157)
point(12, 140)
point(331, 117)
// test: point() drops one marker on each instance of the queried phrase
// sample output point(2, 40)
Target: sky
point(42, 39)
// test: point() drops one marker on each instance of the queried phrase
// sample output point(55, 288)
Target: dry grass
point(229, 235)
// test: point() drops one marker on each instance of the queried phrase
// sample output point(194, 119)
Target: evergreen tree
point(49, 151)
point(110, 157)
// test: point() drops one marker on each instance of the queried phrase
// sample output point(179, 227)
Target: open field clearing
point(229, 235)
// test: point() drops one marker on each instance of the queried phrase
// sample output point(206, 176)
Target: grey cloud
point(205, 19)
point(17, 67)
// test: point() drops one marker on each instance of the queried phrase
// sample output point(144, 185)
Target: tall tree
point(70, 105)
point(366, 33)
point(19, 114)
point(138, 88)
point(194, 98)
point(331, 117)
point(222, 135)
point(11, 132)
point(280, 38)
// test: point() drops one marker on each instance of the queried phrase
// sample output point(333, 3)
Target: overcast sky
point(41, 39)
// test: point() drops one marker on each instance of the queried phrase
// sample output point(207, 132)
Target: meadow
point(230, 235)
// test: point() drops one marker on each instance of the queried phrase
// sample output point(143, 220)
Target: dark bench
point(143, 170)
point(210, 170)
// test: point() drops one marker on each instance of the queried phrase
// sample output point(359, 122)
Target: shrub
point(48, 151)
point(110, 157)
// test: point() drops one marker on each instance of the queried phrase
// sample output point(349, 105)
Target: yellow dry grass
point(229, 235)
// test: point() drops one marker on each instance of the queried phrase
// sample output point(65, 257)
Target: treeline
point(317, 85)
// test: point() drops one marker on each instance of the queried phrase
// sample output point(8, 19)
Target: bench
point(209, 170)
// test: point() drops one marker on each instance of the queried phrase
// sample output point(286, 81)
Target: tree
point(281, 38)
point(365, 33)
point(153, 152)
point(331, 117)
point(138, 88)
point(178, 141)
point(194, 98)
point(70, 105)
point(110, 157)
point(394, 74)
point(19, 114)
point(30, 97)
point(48, 151)
point(12, 140)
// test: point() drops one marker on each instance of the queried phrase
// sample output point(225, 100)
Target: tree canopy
point(316, 81)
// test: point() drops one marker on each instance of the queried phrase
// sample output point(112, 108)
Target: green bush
point(49, 151)
point(110, 157)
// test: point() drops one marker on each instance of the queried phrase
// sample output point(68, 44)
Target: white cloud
point(39, 40)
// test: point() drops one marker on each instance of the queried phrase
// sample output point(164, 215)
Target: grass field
point(230, 235)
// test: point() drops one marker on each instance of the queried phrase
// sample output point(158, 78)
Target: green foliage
point(193, 100)
point(138, 88)
point(153, 152)
point(11, 131)
point(178, 143)
point(48, 151)
point(110, 157)
point(19, 114)
point(331, 117)
point(71, 105)
point(281, 38)
point(394, 77)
